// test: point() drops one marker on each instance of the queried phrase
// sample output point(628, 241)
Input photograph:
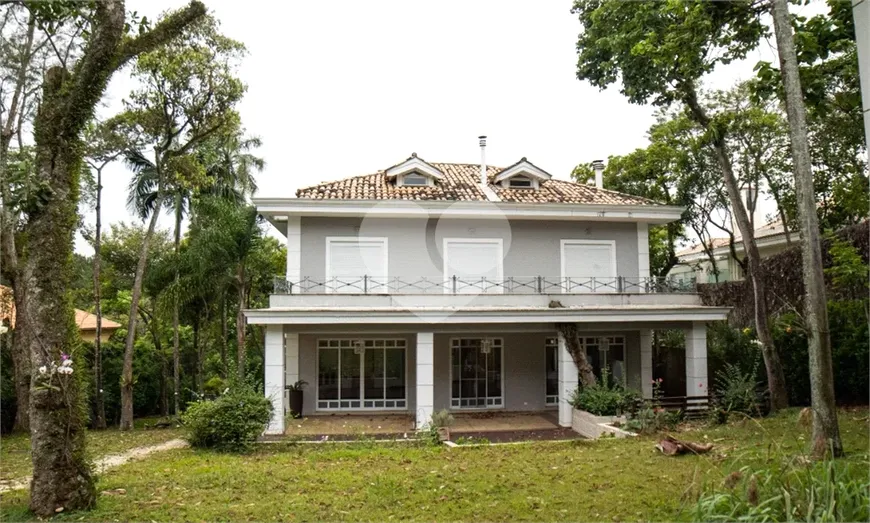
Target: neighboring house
point(431, 286)
point(86, 321)
point(694, 264)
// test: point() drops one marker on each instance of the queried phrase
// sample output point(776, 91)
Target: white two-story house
point(431, 286)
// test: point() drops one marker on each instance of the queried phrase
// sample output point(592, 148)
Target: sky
point(344, 88)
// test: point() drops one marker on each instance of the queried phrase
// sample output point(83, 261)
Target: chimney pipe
point(598, 167)
point(483, 179)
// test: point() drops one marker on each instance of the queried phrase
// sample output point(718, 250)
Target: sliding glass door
point(476, 373)
point(363, 374)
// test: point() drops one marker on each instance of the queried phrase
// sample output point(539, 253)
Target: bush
point(737, 390)
point(232, 422)
point(604, 398)
point(829, 491)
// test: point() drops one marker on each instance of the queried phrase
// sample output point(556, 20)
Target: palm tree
point(229, 166)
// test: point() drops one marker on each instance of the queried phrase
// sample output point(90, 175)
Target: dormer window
point(522, 175)
point(520, 182)
point(414, 172)
point(413, 179)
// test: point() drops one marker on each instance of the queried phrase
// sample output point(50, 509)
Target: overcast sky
point(344, 88)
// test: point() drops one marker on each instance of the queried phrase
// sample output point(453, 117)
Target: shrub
point(232, 422)
point(604, 398)
point(737, 390)
point(828, 491)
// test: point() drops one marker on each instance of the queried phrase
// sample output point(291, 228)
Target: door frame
point(450, 374)
point(481, 241)
point(362, 399)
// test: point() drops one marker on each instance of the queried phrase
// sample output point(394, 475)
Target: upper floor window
point(520, 182)
point(414, 180)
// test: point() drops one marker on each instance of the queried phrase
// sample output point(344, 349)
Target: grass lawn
point(620, 480)
point(15, 448)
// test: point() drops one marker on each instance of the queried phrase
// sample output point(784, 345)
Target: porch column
point(696, 360)
point(274, 376)
point(291, 358)
point(568, 382)
point(425, 379)
point(646, 364)
point(294, 249)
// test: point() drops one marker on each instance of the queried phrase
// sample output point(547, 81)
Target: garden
point(607, 479)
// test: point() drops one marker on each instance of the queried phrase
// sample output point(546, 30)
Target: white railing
point(461, 285)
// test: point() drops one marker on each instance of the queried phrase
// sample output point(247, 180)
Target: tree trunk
point(100, 407)
point(240, 326)
point(61, 473)
point(176, 378)
point(197, 351)
point(826, 431)
point(127, 372)
point(20, 343)
point(224, 334)
point(21, 364)
point(572, 339)
point(772, 362)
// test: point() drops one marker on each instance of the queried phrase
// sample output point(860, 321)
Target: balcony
point(459, 292)
point(457, 285)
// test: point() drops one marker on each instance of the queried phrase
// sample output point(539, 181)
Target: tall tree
point(660, 52)
point(826, 431)
point(61, 476)
point(103, 145)
point(187, 97)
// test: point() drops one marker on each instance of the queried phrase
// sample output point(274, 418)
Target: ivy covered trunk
point(61, 474)
point(575, 349)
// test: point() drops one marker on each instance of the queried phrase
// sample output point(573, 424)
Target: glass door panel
point(350, 375)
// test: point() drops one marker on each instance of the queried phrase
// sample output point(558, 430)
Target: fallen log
point(671, 446)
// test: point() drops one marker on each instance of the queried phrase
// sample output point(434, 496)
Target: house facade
point(695, 266)
point(429, 286)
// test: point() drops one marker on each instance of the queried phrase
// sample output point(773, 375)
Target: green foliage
point(794, 491)
point(440, 420)
point(736, 390)
point(651, 419)
point(848, 272)
point(604, 398)
point(658, 50)
point(231, 423)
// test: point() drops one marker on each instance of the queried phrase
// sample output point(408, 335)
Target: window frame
point(567, 242)
point(448, 289)
point(327, 270)
point(402, 180)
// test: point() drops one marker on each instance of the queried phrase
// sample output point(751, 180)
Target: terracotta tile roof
point(461, 183)
point(773, 228)
point(88, 322)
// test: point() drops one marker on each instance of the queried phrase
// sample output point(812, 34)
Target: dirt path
point(106, 462)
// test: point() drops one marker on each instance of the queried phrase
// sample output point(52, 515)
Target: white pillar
point(696, 360)
point(425, 378)
point(291, 358)
point(646, 363)
point(568, 382)
point(643, 250)
point(274, 376)
point(294, 249)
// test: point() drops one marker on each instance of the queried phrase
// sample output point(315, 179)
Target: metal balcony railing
point(462, 285)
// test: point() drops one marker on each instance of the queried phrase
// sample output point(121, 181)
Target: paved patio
point(402, 425)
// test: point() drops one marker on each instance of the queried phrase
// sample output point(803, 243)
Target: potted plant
point(294, 393)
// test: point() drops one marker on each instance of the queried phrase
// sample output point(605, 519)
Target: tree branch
point(161, 33)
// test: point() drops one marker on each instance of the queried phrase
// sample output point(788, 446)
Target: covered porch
point(465, 363)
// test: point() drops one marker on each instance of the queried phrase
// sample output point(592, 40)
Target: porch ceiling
point(494, 315)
